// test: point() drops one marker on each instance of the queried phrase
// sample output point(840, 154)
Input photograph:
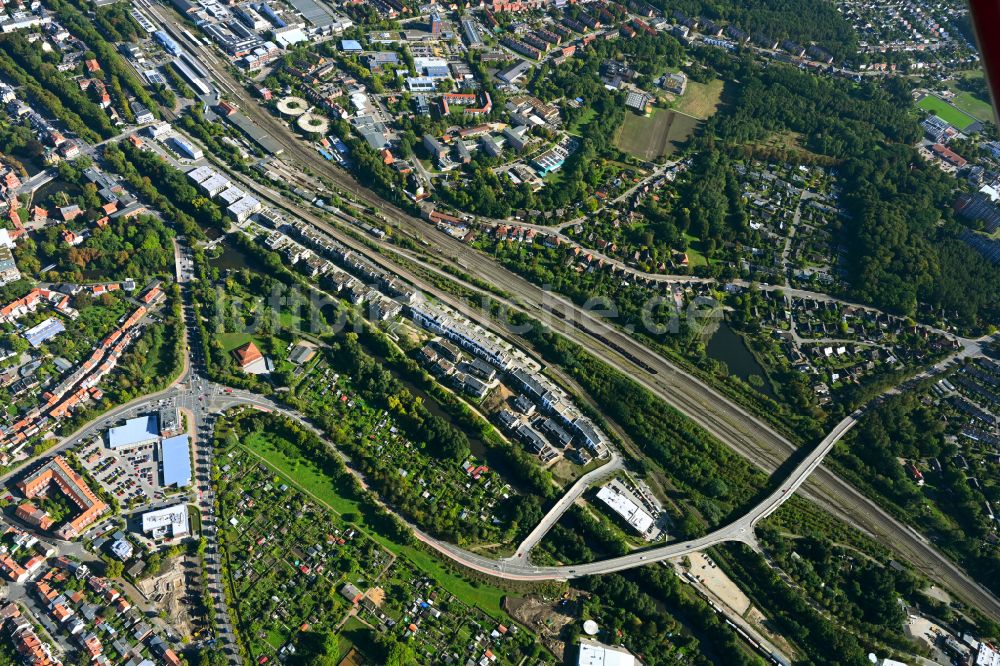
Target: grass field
point(231, 341)
point(700, 100)
point(695, 257)
point(306, 475)
point(574, 128)
point(946, 111)
point(301, 473)
point(790, 142)
point(650, 137)
point(972, 105)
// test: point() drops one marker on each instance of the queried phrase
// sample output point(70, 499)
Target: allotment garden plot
point(286, 557)
point(459, 499)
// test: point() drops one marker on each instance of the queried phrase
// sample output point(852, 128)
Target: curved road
point(518, 567)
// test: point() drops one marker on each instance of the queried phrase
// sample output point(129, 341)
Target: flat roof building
point(136, 432)
point(170, 421)
point(200, 174)
point(514, 72)
point(632, 513)
point(244, 208)
point(987, 656)
point(186, 148)
point(175, 454)
point(215, 185)
point(121, 549)
point(171, 521)
point(421, 84)
point(593, 653)
point(8, 266)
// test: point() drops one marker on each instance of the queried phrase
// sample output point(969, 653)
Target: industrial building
point(47, 330)
point(185, 149)
point(244, 208)
point(514, 72)
point(618, 501)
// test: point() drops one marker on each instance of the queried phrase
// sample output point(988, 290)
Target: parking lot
point(131, 476)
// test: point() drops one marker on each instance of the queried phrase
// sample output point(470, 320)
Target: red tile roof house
point(250, 360)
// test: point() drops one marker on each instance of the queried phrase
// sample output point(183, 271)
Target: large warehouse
point(136, 432)
point(175, 455)
point(593, 653)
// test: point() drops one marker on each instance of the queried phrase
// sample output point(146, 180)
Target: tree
point(318, 649)
point(400, 654)
point(114, 569)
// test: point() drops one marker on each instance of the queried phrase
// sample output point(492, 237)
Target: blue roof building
point(350, 45)
point(135, 432)
point(49, 328)
point(175, 453)
point(437, 71)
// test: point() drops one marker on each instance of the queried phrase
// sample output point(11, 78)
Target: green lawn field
point(946, 111)
point(972, 105)
point(701, 100)
point(650, 137)
point(231, 341)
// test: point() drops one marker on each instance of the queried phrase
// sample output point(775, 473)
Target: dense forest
point(804, 21)
point(650, 610)
point(901, 254)
point(901, 238)
point(903, 428)
point(792, 614)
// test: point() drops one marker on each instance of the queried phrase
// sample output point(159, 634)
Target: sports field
point(650, 137)
point(946, 111)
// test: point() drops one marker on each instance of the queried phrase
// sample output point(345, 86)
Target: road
point(553, 515)
point(201, 400)
point(739, 530)
point(214, 398)
point(192, 401)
